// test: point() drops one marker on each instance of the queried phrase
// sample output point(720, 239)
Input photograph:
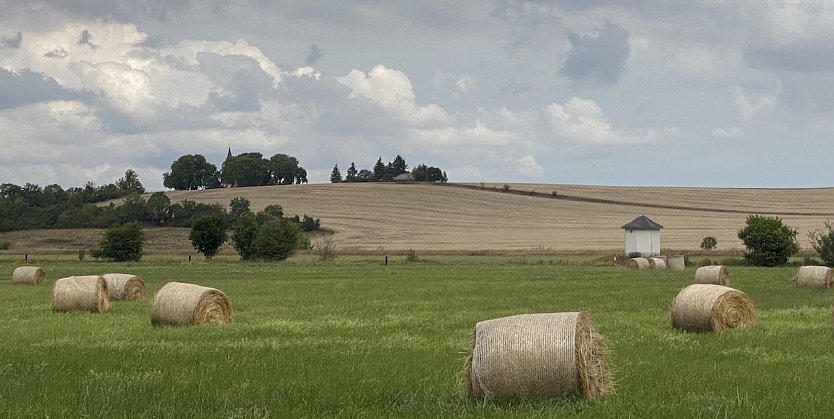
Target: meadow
point(356, 338)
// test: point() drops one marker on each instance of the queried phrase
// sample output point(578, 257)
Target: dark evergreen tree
point(379, 170)
point(398, 166)
point(335, 175)
point(351, 173)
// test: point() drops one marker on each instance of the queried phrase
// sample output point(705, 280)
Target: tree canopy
point(191, 172)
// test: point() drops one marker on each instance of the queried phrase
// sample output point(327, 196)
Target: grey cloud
point(27, 87)
point(515, 87)
point(802, 59)
point(242, 80)
point(160, 10)
point(316, 52)
point(86, 39)
point(13, 42)
point(58, 53)
point(597, 59)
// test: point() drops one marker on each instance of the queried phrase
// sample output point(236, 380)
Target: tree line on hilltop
point(192, 171)
point(395, 170)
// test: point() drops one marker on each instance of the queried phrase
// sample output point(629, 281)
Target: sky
point(715, 93)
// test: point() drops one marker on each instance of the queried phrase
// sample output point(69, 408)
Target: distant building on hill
point(642, 236)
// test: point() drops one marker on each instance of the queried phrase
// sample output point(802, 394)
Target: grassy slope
point(359, 339)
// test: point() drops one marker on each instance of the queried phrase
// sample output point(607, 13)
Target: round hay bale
point(125, 287)
point(676, 263)
point(638, 264)
point(28, 275)
point(707, 307)
point(84, 293)
point(712, 274)
point(814, 277)
point(181, 304)
point(657, 263)
point(537, 356)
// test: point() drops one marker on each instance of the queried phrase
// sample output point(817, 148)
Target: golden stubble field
point(467, 219)
point(370, 217)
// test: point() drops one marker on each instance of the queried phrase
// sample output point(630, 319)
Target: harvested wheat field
point(464, 219)
point(375, 216)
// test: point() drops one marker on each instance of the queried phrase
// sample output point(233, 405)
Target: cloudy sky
point(649, 92)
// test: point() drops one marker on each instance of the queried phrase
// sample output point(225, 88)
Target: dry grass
point(375, 218)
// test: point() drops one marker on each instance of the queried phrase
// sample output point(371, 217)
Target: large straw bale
point(28, 275)
point(537, 356)
point(84, 293)
point(181, 304)
point(707, 307)
point(125, 287)
point(657, 263)
point(814, 277)
point(676, 263)
point(638, 264)
point(712, 274)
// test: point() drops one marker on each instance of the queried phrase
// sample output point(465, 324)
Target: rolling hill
point(474, 218)
point(528, 217)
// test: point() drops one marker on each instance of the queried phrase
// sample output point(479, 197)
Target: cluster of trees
point(388, 172)
point(192, 171)
point(33, 207)
point(267, 235)
point(770, 242)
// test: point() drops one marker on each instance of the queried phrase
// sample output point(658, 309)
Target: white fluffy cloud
point(581, 121)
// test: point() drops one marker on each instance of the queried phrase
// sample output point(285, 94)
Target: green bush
point(122, 243)
point(823, 243)
point(208, 234)
point(768, 240)
point(709, 243)
point(244, 235)
point(276, 240)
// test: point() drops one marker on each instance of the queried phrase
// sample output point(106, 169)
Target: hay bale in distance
point(537, 356)
point(125, 287)
point(814, 277)
point(657, 263)
point(28, 275)
point(84, 293)
point(712, 274)
point(707, 307)
point(181, 304)
point(676, 263)
point(638, 264)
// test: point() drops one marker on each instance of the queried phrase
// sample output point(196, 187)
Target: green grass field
point(355, 338)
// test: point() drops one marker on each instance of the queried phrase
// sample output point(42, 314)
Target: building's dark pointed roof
point(229, 156)
point(642, 223)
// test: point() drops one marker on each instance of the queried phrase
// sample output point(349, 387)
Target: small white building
point(642, 235)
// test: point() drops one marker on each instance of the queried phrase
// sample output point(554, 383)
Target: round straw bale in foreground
point(84, 293)
point(537, 356)
point(28, 275)
point(706, 307)
point(676, 263)
point(712, 274)
point(125, 287)
point(814, 277)
point(637, 264)
point(180, 304)
point(657, 263)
